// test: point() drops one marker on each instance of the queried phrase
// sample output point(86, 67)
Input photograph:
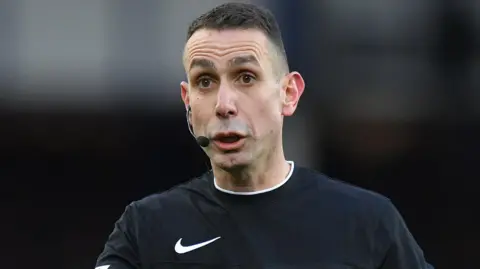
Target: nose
point(226, 107)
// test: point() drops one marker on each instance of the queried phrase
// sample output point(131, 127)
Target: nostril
point(226, 112)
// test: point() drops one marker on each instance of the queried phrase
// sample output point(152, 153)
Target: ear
point(184, 92)
point(293, 89)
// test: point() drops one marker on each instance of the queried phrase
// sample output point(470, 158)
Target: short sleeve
point(398, 246)
point(120, 250)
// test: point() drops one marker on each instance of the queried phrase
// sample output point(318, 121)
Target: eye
point(204, 82)
point(246, 78)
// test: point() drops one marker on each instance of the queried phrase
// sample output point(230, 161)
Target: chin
point(231, 161)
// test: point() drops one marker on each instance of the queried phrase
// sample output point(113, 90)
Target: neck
point(260, 176)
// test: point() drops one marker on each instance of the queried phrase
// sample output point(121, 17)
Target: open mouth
point(228, 138)
point(228, 141)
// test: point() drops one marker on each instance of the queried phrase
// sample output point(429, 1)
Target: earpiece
point(201, 140)
point(190, 128)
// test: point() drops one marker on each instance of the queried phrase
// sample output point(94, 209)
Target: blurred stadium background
point(91, 116)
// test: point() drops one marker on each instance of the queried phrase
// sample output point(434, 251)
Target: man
point(254, 209)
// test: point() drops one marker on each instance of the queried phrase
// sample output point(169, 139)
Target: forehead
point(223, 45)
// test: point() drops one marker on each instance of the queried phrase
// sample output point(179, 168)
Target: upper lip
point(227, 134)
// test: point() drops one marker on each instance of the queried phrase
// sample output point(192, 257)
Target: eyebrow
point(237, 61)
point(202, 63)
point(242, 60)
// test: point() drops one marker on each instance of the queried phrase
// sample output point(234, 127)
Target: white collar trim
point(292, 166)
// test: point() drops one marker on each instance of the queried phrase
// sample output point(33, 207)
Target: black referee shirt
point(311, 221)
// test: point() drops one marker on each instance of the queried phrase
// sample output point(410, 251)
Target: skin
point(235, 85)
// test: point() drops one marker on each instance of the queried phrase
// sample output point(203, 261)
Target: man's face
point(236, 96)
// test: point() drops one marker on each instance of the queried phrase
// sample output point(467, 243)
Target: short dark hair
point(242, 16)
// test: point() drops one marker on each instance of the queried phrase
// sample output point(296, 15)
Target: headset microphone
point(203, 141)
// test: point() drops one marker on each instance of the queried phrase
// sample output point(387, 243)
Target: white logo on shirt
point(184, 249)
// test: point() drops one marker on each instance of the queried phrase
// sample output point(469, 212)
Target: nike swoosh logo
point(102, 267)
point(184, 249)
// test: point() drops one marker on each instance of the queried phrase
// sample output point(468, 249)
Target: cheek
point(266, 116)
point(201, 108)
point(201, 117)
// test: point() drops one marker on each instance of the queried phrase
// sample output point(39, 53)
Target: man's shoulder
point(176, 196)
point(343, 193)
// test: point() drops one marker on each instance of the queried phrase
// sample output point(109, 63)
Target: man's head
point(239, 84)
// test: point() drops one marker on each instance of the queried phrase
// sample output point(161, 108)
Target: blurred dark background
point(91, 116)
